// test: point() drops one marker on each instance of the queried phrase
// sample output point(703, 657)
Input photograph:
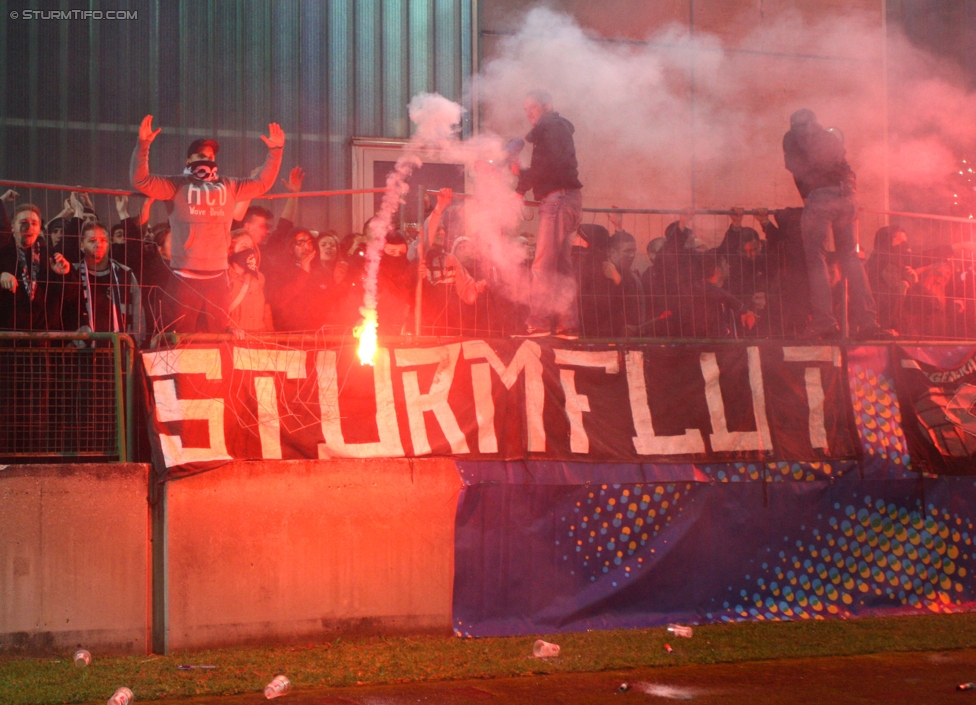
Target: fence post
point(130, 426)
point(120, 425)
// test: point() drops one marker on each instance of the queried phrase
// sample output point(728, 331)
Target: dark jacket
point(710, 312)
point(32, 306)
point(115, 305)
point(299, 300)
point(554, 164)
point(396, 284)
point(816, 158)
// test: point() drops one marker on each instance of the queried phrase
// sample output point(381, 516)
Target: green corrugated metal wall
point(72, 92)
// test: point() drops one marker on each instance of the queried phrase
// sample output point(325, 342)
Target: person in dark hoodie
point(396, 282)
point(818, 161)
point(890, 273)
point(553, 177)
point(789, 299)
point(295, 291)
point(200, 204)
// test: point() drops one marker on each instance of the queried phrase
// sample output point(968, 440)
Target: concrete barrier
point(74, 558)
point(259, 552)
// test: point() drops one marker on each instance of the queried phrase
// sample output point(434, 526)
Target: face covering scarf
point(246, 259)
point(203, 169)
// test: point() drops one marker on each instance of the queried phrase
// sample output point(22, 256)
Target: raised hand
point(611, 273)
point(294, 181)
point(444, 198)
point(76, 204)
point(67, 211)
point(736, 216)
point(9, 196)
point(276, 140)
point(146, 132)
point(122, 206)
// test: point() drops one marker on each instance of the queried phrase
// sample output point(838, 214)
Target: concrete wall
point(290, 550)
point(74, 558)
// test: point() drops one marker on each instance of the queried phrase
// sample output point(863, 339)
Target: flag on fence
point(937, 391)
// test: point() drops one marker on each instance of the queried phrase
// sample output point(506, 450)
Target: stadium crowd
point(72, 273)
point(184, 274)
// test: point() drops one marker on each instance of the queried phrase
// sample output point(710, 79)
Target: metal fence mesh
point(58, 400)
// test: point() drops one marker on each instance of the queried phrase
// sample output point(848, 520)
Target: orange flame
point(366, 332)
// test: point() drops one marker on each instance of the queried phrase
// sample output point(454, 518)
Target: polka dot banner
point(871, 555)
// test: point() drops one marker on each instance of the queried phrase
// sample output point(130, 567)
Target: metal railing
point(65, 396)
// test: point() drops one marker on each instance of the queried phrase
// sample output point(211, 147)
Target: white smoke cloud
point(490, 211)
point(683, 119)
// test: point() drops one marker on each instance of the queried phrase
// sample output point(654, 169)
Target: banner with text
point(499, 400)
point(937, 391)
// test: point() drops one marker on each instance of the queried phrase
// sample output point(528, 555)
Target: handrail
point(120, 192)
point(63, 187)
point(350, 192)
point(392, 341)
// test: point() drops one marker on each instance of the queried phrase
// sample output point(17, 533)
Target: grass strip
point(380, 659)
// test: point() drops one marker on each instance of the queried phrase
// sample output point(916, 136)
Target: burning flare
point(366, 332)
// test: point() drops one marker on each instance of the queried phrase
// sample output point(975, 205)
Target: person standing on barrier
point(200, 204)
point(817, 159)
point(553, 177)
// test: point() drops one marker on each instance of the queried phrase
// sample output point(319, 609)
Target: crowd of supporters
point(72, 273)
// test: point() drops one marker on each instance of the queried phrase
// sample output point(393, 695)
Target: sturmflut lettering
point(435, 400)
point(647, 442)
point(814, 386)
point(428, 405)
point(335, 446)
point(577, 403)
point(527, 361)
point(266, 364)
point(170, 408)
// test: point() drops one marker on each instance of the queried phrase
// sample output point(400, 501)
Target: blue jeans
point(553, 293)
point(836, 209)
